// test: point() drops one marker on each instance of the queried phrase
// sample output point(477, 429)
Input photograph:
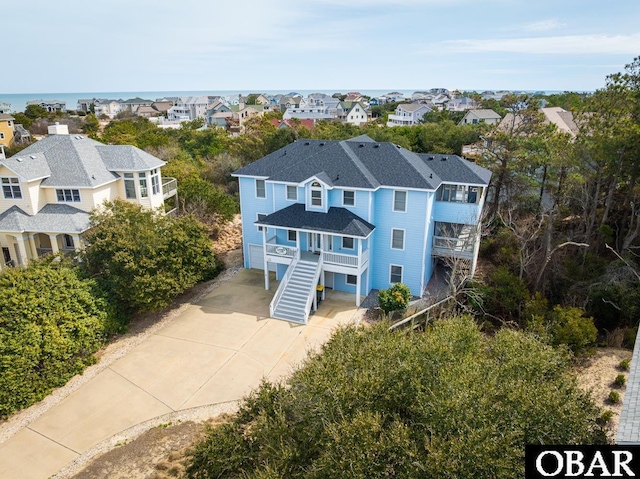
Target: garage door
point(256, 258)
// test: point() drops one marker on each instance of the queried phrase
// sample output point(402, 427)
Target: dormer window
point(316, 194)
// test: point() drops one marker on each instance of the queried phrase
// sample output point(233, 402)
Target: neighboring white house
point(49, 188)
point(473, 117)
point(353, 113)
point(408, 114)
point(108, 108)
point(49, 105)
point(189, 108)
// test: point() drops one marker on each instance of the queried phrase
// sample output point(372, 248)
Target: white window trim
point(295, 233)
point(342, 246)
point(346, 279)
point(401, 272)
point(406, 201)
point(404, 238)
point(354, 198)
point(256, 189)
point(71, 190)
point(311, 191)
point(287, 192)
point(258, 219)
point(11, 184)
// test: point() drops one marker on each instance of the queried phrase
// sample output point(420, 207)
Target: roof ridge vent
point(444, 158)
point(398, 147)
point(430, 158)
point(306, 143)
point(376, 146)
point(18, 159)
point(32, 157)
point(361, 145)
point(322, 143)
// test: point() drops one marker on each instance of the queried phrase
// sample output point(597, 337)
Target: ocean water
point(19, 101)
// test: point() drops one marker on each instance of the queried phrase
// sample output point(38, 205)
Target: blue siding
point(250, 206)
point(361, 207)
point(413, 221)
point(464, 213)
point(340, 283)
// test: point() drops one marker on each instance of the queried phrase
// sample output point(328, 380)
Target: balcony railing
point(282, 251)
point(169, 187)
point(462, 246)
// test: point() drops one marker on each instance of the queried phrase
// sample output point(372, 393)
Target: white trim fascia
point(86, 187)
point(304, 230)
point(455, 183)
point(315, 178)
point(251, 176)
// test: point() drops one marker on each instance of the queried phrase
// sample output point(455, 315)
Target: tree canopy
point(448, 403)
point(146, 259)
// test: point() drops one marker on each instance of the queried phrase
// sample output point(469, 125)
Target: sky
point(341, 45)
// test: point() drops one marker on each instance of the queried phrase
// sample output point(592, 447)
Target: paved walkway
point(215, 351)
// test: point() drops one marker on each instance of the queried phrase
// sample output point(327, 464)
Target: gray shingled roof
point(77, 161)
point(452, 168)
point(629, 427)
point(357, 163)
point(54, 218)
point(337, 220)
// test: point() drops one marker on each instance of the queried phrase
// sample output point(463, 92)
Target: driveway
point(215, 351)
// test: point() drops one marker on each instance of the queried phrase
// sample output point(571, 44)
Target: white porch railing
point(281, 251)
point(348, 260)
point(462, 244)
point(312, 296)
point(281, 287)
point(169, 187)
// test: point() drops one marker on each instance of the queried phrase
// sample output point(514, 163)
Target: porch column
point(358, 276)
point(23, 258)
point(77, 244)
point(54, 244)
point(264, 253)
point(298, 233)
point(32, 246)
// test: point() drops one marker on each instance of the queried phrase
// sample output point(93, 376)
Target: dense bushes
point(146, 259)
point(395, 298)
point(51, 322)
point(374, 403)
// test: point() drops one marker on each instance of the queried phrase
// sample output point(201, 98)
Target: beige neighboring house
point(560, 117)
point(473, 117)
point(242, 113)
point(49, 188)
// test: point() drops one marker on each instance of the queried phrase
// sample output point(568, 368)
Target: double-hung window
point(292, 235)
point(68, 196)
point(129, 186)
point(155, 182)
point(316, 194)
point(347, 243)
point(352, 279)
point(400, 201)
point(348, 198)
point(397, 239)
point(143, 185)
point(395, 274)
point(261, 189)
point(292, 193)
point(11, 188)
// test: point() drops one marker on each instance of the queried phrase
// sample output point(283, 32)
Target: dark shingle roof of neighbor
point(336, 220)
point(77, 161)
point(362, 163)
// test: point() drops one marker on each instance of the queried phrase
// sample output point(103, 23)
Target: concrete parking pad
point(29, 454)
point(215, 351)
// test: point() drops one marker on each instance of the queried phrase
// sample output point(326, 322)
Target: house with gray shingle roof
point(482, 115)
point(408, 114)
point(49, 188)
point(356, 215)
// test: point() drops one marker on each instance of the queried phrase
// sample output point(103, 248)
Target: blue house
point(356, 215)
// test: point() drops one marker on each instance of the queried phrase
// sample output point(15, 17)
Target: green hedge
point(447, 403)
point(51, 322)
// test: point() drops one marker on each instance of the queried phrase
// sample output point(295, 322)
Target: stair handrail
point(316, 277)
point(283, 284)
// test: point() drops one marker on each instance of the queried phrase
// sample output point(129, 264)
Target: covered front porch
point(337, 241)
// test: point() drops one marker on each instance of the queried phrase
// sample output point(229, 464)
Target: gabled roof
point(362, 163)
point(484, 113)
point(74, 160)
point(53, 218)
point(337, 220)
point(413, 106)
point(5, 117)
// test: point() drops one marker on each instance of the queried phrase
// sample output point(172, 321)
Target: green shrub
point(146, 259)
point(449, 402)
point(620, 380)
point(625, 364)
point(51, 322)
point(569, 326)
point(606, 417)
point(614, 397)
point(504, 294)
point(395, 298)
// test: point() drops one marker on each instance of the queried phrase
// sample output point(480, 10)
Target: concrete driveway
point(217, 350)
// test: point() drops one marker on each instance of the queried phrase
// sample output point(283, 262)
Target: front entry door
point(315, 242)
